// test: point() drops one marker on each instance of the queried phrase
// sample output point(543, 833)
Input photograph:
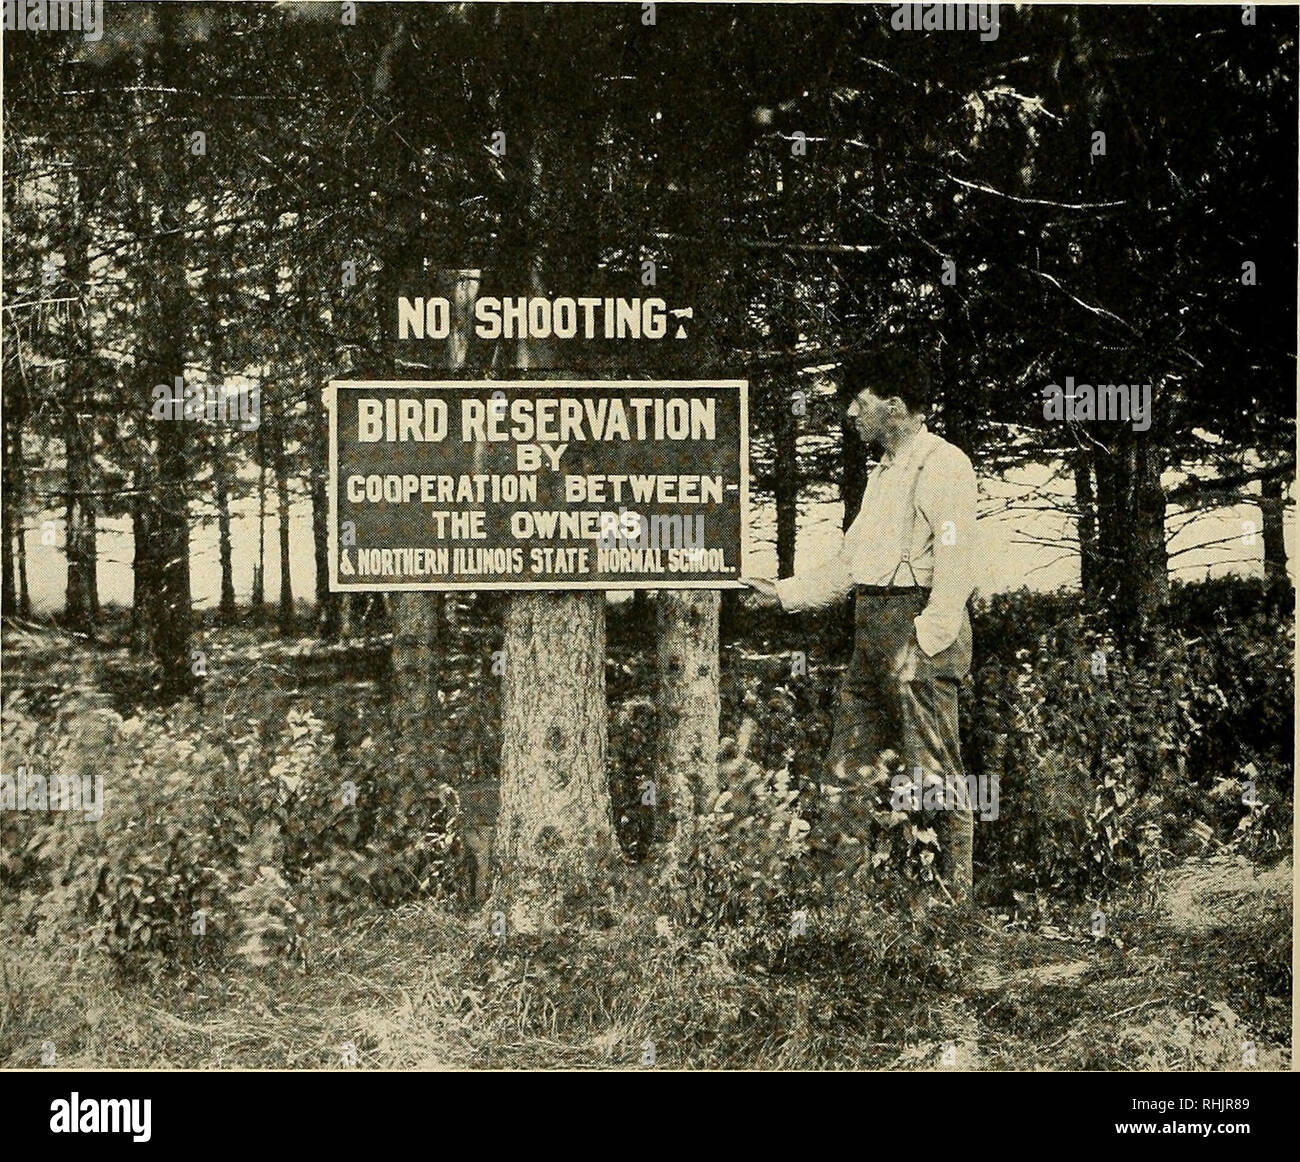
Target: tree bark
point(785, 434)
point(416, 618)
point(1133, 568)
point(169, 513)
point(282, 518)
point(221, 485)
point(20, 530)
point(327, 603)
point(144, 558)
point(554, 819)
point(688, 622)
point(1272, 504)
point(417, 662)
point(10, 508)
point(219, 265)
point(167, 503)
point(258, 599)
point(91, 547)
point(956, 386)
point(689, 709)
point(854, 466)
point(8, 524)
point(1085, 503)
point(24, 594)
point(554, 828)
point(77, 401)
point(1150, 576)
point(76, 606)
point(15, 597)
point(785, 485)
point(853, 472)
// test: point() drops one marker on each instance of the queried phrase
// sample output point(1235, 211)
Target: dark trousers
point(896, 698)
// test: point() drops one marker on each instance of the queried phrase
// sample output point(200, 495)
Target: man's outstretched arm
point(826, 581)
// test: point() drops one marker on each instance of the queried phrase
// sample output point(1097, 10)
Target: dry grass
point(405, 990)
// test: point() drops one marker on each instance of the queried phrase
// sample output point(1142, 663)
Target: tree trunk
point(554, 821)
point(221, 484)
point(854, 465)
point(8, 523)
point(282, 519)
point(417, 656)
point(1111, 508)
point(555, 830)
point(1132, 562)
point(259, 570)
point(78, 393)
point(1150, 573)
point(76, 611)
point(689, 709)
point(785, 483)
point(169, 518)
point(1085, 503)
point(143, 557)
point(959, 422)
point(24, 594)
point(20, 509)
point(167, 187)
point(853, 471)
point(10, 507)
point(416, 618)
point(688, 623)
point(81, 601)
point(785, 433)
point(223, 258)
point(1272, 504)
point(327, 603)
point(91, 547)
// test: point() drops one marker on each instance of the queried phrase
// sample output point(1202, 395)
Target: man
point(907, 558)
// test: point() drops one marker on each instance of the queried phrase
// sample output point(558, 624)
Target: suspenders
point(907, 540)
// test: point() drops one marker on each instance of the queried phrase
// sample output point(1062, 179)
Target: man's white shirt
point(940, 529)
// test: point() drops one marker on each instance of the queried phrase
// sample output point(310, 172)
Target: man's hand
point(764, 590)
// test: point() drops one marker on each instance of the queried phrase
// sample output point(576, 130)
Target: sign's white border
point(329, 394)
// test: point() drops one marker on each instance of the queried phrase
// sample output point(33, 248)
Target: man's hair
point(889, 369)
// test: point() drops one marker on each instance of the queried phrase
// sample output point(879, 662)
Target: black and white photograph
point(648, 537)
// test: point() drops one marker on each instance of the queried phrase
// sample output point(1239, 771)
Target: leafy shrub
point(1103, 778)
point(794, 873)
point(209, 846)
point(1081, 745)
point(1108, 767)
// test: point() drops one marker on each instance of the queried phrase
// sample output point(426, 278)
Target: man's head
point(889, 391)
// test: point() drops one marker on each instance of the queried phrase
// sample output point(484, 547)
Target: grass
point(419, 988)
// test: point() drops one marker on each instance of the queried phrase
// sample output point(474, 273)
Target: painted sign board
point(537, 484)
